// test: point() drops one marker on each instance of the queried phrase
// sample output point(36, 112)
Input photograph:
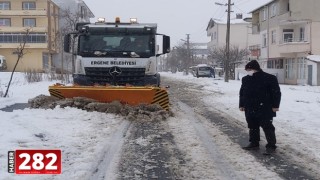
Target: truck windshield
point(117, 45)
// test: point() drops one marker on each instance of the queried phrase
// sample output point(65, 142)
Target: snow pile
point(142, 112)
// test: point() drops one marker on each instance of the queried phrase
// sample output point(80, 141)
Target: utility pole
point(188, 60)
point(188, 51)
point(227, 60)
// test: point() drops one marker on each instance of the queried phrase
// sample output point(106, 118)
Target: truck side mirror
point(166, 44)
point(66, 45)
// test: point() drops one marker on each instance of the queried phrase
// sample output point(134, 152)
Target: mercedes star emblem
point(115, 71)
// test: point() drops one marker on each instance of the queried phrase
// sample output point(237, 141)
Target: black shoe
point(272, 146)
point(269, 151)
point(251, 146)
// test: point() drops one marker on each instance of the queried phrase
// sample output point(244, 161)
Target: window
point(264, 40)
point(18, 37)
point(270, 64)
point(273, 36)
point(28, 5)
point(290, 68)
point(45, 60)
point(278, 64)
point(264, 14)
point(302, 30)
point(215, 35)
point(27, 22)
point(5, 22)
point(287, 35)
point(83, 12)
point(273, 9)
point(302, 68)
point(275, 64)
point(4, 5)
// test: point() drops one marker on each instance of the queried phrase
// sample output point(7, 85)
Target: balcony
point(294, 40)
point(290, 45)
point(36, 12)
point(4, 29)
point(256, 29)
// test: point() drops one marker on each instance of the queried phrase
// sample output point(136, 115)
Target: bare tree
point(20, 51)
point(236, 56)
point(70, 21)
point(179, 57)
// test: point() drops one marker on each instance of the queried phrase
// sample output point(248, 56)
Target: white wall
point(240, 35)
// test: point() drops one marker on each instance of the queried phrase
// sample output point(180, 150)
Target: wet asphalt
point(237, 132)
point(16, 106)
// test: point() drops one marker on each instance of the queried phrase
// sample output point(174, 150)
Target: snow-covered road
point(199, 140)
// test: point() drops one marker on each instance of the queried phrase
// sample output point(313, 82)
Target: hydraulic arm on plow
point(116, 61)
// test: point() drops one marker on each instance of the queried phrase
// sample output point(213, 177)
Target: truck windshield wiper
point(127, 53)
point(134, 54)
point(94, 53)
point(100, 53)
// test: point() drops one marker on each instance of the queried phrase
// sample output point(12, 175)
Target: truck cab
point(116, 53)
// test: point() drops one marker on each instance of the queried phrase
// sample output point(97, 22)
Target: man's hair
point(253, 65)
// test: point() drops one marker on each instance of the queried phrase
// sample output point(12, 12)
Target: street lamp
point(220, 4)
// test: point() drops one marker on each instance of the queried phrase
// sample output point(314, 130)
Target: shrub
point(33, 76)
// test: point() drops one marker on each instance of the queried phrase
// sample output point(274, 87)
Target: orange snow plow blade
point(124, 94)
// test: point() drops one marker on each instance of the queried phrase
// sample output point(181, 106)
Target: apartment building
point(289, 32)
point(41, 18)
point(240, 35)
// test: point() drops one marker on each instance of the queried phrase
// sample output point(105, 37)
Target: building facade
point(289, 32)
point(40, 18)
point(199, 53)
point(240, 35)
point(71, 12)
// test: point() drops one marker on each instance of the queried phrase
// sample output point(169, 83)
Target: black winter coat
point(260, 93)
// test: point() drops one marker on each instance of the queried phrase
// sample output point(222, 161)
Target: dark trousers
point(254, 125)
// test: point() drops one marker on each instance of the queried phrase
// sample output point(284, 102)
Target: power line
point(239, 9)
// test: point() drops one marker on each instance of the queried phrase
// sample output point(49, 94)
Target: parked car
point(203, 71)
point(3, 63)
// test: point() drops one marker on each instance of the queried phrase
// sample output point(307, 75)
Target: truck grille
point(128, 76)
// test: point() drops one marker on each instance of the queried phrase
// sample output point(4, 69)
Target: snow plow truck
point(116, 61)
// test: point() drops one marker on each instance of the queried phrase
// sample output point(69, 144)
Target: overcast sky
point(175, 18)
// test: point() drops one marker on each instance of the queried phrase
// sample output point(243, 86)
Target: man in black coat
point(260, 97)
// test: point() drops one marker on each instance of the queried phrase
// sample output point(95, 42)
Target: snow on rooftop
point(314, 58)
point(232, 21)
point(262, 3)
point(202, 65)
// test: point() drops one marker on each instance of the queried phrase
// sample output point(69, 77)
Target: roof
point(212, 22)
point(315, 58)
point(90, 13)
point(201, 65)
point(265, 2)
